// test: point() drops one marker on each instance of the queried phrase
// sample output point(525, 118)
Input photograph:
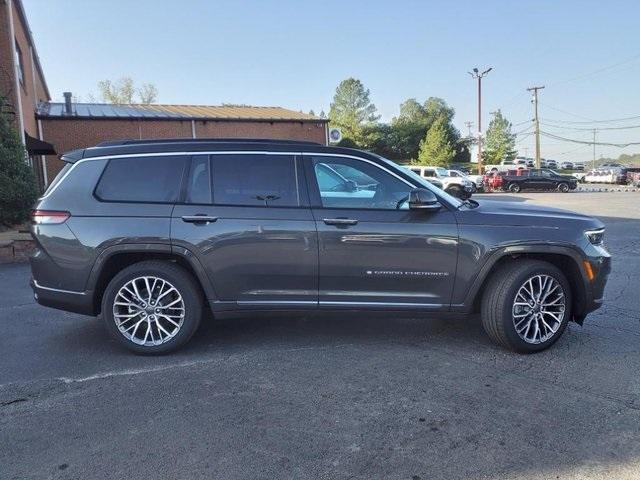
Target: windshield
point(442, 172)
point(418, 180)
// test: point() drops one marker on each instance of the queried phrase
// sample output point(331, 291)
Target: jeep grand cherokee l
point(152, 235)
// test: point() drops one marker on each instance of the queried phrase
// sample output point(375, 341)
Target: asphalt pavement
point(329, 396)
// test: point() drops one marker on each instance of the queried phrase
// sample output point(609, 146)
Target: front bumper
point(77, 302)
point(594, 293)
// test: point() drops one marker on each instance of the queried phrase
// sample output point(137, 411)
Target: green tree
point(436, 148)
point(18, 188)
point(500, 143)
point(412, 124)
point(123, 91)
point(352, 110)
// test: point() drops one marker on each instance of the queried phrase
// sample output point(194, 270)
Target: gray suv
point(153, 235)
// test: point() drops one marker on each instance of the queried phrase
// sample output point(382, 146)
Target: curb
point(606, 189)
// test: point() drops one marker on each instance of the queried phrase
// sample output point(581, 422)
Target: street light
point(478, 76)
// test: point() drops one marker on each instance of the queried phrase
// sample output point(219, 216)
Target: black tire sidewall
point(514, 339)
point(563, 187)
point(175, 275)
point(513, 188)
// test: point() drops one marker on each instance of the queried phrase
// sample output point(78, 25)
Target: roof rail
point(116, 143)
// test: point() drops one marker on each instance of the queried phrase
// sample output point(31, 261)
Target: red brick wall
point(70, 134)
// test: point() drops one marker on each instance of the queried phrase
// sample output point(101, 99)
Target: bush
point(18, 187)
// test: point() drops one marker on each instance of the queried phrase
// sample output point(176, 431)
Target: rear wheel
point(152, 307)
point(514, 187)
point(563, 187)
point(526, 306)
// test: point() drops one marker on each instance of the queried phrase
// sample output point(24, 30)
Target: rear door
point(245, 216)
point(374, 251)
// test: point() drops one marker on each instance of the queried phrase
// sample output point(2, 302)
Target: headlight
point(596, 237)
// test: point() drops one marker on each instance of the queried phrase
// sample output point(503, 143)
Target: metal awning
point(38, 147)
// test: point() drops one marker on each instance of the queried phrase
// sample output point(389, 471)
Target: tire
point(563, 187)
point(175, 325)
point(454, 191)
point(514, 187)
point(498, 311)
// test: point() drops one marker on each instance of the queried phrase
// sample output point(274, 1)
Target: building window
point(20, 64)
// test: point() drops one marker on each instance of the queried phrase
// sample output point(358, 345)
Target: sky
point(293, 54)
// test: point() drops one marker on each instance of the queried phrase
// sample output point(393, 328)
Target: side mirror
point(423, 199)
point(351, 186)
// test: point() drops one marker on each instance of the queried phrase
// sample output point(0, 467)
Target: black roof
point(124, 147)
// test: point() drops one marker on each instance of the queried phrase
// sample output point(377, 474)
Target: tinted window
point(199, 182)
point(350, 183)
point(256, 180)
point(142, 179)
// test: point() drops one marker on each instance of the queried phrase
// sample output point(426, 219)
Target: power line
point(635, 117)
point(597, 71)
point(586, 142)
point(626, 127)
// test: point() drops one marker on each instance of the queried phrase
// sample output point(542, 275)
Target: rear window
point(255, 180)
point(142, 179)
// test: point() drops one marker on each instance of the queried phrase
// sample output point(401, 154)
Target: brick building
point(76, 125)
point(49, 128)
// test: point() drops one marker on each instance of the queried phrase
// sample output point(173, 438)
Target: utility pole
point(468, 125)
point(477, 75)
point(537, 120)
point(593, 163)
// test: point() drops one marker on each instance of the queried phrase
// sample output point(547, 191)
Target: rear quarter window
point(142, 179)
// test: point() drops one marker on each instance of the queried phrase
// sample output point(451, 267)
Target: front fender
point(579, 282)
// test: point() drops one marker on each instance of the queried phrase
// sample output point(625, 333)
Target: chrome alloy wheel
point(538, 309)
point(148, 311)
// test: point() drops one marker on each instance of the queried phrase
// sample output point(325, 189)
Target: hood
point(525, 214)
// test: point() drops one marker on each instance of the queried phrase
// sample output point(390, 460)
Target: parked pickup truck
point(539, 179)
point(458, 187)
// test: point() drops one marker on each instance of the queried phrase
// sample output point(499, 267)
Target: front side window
point(351, 183)
point(255, 180)
point(142, 179)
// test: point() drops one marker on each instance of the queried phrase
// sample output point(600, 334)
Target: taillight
point(49, 217)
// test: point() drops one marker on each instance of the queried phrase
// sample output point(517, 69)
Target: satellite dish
point(335, 135)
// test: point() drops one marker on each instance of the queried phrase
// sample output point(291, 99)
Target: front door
point(374, 251)
point(246, 218)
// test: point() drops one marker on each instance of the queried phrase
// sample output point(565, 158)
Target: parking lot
point(329, 396)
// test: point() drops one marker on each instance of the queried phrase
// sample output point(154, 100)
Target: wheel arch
point(115, 258)
point(567, 259)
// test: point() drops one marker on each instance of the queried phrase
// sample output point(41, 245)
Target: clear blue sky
point(294, 53)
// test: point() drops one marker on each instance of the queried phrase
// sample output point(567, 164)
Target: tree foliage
point(123, 91)
point(18, 187)
point(437, 148)
point(500, 142)
point(352, 110)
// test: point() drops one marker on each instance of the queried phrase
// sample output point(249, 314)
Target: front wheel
point(563, 187)
point(455, 191)
point(152, 307)
point(514, 187)
point(526, 306)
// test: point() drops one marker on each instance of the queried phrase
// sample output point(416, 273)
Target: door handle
point(198, 218)
point(340, 222)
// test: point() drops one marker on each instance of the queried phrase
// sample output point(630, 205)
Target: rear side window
point(142, 179)
point(255, 180)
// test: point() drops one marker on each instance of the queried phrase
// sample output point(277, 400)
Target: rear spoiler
point(73, 156)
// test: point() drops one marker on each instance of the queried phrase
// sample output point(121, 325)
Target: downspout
point(12, 33)
point(193, 129)
point(43, 158)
